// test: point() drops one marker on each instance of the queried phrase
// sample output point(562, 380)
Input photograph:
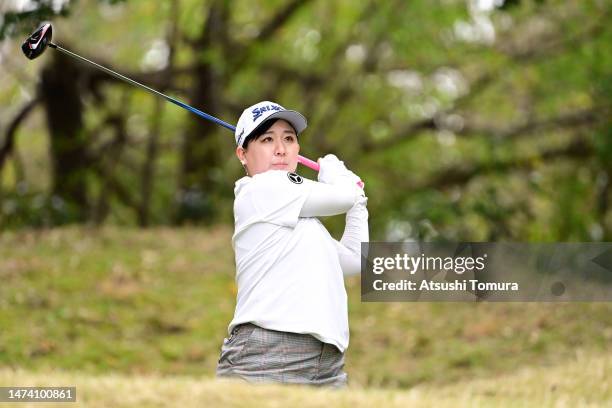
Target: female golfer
point(291, 322)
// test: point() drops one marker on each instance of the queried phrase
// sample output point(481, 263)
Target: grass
point(581, 381)
point(157, 303)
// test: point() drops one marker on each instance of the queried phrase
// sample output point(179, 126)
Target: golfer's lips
point(279, 165)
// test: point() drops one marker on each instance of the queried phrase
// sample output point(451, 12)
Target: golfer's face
point(277, 149)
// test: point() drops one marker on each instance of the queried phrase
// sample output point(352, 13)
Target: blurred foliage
point(20, 20)
point(469, 120)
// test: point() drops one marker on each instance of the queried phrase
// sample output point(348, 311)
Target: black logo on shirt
point(295, 178)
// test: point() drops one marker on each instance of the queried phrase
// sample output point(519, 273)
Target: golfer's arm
point(355, 232)
point(327, 199)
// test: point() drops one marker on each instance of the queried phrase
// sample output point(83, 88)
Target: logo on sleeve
point(295, 178)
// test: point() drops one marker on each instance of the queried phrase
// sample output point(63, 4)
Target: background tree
point(469, 120)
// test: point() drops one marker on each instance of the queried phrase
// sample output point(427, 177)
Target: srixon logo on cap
point(257, 112)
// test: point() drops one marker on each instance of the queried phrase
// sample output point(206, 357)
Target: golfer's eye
point(267, 139)
point(290, 138)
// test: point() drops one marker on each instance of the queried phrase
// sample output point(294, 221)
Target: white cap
point(255, 115)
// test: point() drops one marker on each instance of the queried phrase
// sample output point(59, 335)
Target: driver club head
point(37, 42)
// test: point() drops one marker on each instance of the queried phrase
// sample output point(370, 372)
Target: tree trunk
point(64, 112)
point(200, 154)
point(148, 168)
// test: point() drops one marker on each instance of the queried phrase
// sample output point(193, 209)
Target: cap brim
point(296, 119)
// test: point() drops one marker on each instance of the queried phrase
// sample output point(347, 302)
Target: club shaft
point(303, 160)
point(153, 91)
point(307, 162)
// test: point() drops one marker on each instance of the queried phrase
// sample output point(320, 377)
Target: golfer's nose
point(279, 148)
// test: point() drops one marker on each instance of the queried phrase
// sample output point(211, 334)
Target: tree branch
point(572, 119)
point(106, 172)
point(545, 48)
point(278, 20)
point(461, 175)
point(569, 120)
point(486, 80)
point(9, 138)
point(241, 53)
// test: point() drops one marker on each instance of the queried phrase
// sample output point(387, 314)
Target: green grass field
point(580, 381)
point(127, 306)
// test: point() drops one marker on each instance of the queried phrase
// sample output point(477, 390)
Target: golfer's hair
point(260, 130)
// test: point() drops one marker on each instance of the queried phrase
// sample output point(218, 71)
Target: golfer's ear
point(240, 154)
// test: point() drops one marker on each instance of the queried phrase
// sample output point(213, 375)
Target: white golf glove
point(333, 171)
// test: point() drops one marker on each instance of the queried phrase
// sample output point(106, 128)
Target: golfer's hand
point(333, 171)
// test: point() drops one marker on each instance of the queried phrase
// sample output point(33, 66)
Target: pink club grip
point(309, 163)
point(315, 166)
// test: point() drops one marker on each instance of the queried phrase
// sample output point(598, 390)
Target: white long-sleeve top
point(289, 270)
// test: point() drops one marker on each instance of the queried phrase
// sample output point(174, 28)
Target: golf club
point(38, 41)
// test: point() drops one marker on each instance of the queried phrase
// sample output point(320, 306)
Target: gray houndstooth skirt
point(255, 354)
